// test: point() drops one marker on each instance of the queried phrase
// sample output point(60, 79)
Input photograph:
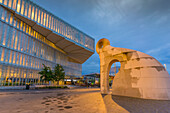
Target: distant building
point(114, 70)
point(93, 78)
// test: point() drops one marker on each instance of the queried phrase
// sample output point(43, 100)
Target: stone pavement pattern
point(82, 100)
point(52, 101)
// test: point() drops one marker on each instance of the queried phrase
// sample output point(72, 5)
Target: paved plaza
point(79, 100)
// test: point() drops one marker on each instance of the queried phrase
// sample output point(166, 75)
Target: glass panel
point(18, 23)
point(18, 6)
point(22, 7)
point(42, 17)
point(11, 18)
point(22, 44)
point(14, 4)
point(19, 40)
point(21, 59)
point(52, 23)
point(15, 20)
point(5, 34)
point(1, 26)
point(2, 55)
point(17, 60)
point(24, 27)
point(10, 59)
point(26, 9)
point(9, 4)
point(29, 11)
point(16, 40)
point(39, 16)
point(47, 21)
point(14, 57)
point(32, 15)
point(13, 36)
point(25, 45)
point(21, 25)
point(36, 14)
point(5, 2)
point(3, 13)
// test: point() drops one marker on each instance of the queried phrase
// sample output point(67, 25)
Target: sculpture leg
point(104, 80)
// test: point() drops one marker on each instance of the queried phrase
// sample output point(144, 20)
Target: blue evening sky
point(142, 25)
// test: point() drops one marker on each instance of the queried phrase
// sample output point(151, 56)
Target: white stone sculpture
point(140, 75)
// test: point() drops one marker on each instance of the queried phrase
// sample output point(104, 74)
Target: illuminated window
point(47, 21)
point(14, 4)
point(32, 32)
point(1, 25)
point(15, 21)
point(25, 45)
point(22, 43)
point(19, 40)
point(42, 17)
point(9, 3)
point(36, 14)
point(0, 1)
point(10, 59)
point(5, 34)
point(29, 30)
point(14, 57)
point(28, 45)
point(16, 40)
point(7, 55)
point(21, 25)
point(52, 23)
point(26, 57)
point(11, 18)
point(22, 7)
point(29, 11)
point(5, 2)
point(17, 62)
point(56, 26)
point(2, 55)
point(21, 59)
point(26, 9)
point(18, 23)
point(18, 6)
point(13, 36)
point(39, 16)
point(3, 13)
point(32, 15)
point(24, 27)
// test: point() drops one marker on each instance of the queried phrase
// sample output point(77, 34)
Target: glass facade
point(23, 50)
point(30, 10)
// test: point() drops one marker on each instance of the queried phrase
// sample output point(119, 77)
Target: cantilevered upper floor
point(73, 42)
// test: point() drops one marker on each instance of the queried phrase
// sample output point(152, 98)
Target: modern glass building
point(31, 36)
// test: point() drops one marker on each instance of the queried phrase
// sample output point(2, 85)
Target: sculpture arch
point(140, 75)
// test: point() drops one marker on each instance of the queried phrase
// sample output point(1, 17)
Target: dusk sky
point(142, 25)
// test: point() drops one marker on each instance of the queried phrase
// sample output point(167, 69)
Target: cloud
point(159, 49)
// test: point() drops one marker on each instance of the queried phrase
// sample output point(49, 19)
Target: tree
point(46, 74)
point(59, 73)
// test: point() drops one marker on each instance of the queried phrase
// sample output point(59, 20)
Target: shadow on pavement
point(136, 105)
